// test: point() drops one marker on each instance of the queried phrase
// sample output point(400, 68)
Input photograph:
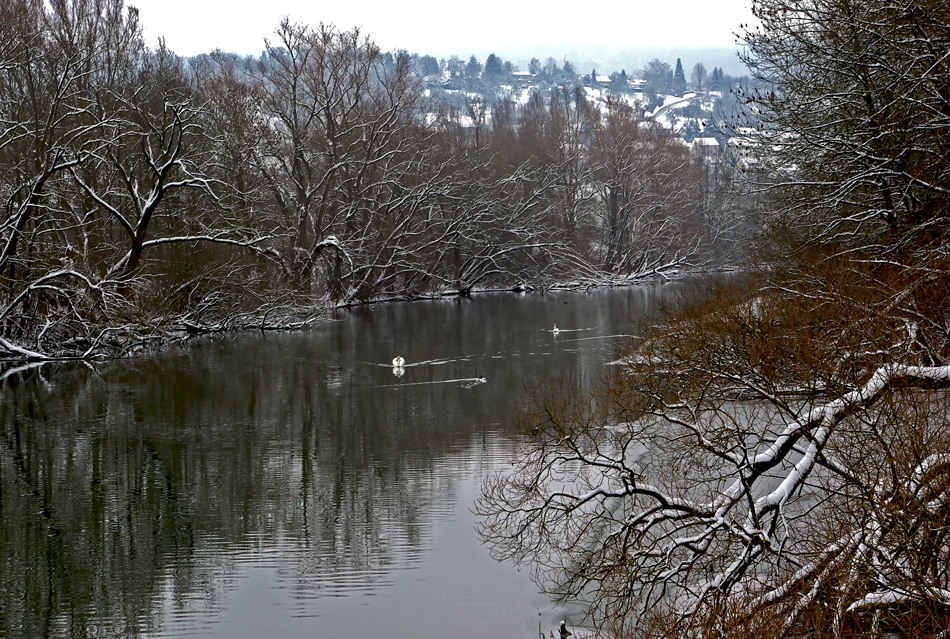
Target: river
point(288, 485)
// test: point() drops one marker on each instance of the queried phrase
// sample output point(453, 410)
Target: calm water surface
point(287, 485)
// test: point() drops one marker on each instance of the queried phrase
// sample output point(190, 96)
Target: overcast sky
point(444, 28)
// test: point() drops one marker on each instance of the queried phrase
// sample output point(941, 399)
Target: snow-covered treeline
point(146, 194)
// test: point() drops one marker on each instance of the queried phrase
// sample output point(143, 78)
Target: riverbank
point(156, 333)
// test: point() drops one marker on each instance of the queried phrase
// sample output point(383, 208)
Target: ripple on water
point(329, 561)
point(236, 484)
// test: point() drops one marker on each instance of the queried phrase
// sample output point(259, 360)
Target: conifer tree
point(474, 68)
point(493, 66)
point(679, 79)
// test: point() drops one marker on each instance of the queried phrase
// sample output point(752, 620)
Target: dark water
point(286, 485)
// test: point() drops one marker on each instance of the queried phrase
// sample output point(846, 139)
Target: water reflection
point(137, 497)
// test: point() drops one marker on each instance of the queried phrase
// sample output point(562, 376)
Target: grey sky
point(504, 26)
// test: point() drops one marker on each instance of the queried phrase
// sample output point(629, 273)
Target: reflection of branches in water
point(85, 548)
point(137, 481)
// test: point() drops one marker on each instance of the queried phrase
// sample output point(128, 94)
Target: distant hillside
point(688, 98)
point(614, 59)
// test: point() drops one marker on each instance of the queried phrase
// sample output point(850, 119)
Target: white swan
point(398, 361)
point(555, 330)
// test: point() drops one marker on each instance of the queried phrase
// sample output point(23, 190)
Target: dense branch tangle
point(419, 202)
point(858, 119)
point(718, 468)
point(104, 160)
point(352, 155)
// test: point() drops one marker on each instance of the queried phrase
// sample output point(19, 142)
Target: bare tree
point(854, 98)
point(338, 119)
point(649, 192)
point(51, 58)
point(623, 194)
point(698, 76)
point(734, 463)
point(104, 159)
